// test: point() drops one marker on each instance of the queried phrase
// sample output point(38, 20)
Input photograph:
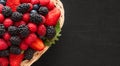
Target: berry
point(15, 40)
point(29, 54)
point(3, 2)
point(41, 30)
point(6, 36)
point(3, 45)
point(52, 17)
point(23, 30)
point(9, 43)
point(6, 11)
point(15, 60)
point(32, 27)
point(43, 19)
point(23, 46)
point(37, 45)
point(44, 2)
point(35, 2)
point(1, 18)
point(25, 1)
point(50, 32)
point(4, 61)
point(19, 23)
point(36, 18)
point(13, 30)
point(33, 11)
point(1, 7)
point(31, 7)
point(43, 10)
point(15, 50)
point(4, 53)
point(51, 5)
point(16, 16)
point(8, 22)
point(2, 29)
point(23, 8)
point(30, 38)
point(26, 17)
point(36, 7)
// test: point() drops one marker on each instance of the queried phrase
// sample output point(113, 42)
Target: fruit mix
point(24, 26)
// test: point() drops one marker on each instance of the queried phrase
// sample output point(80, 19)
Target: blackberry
point(23, 30)
point(3, 2)
point(6, 11)
point(43, 10)
point(23, 8)
point(50, 32)
point(4, 53)
point(15, 50)
point(2, 29)
point(29, 53)
point(13, 30)
point(15, 40)
point(36, 18)
point(16, 16)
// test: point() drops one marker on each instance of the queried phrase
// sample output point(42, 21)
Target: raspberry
point(51, 5)
point(23, 46)
point(25, 1)
point(4, 61)
point(6, 36)
point(41, 30)
point(2, 29)
point(15, 50)
point(4, 53)
point(8, 22)
point(43, 10)
point(31, 7)
point(6, 11)
point(13, 30)
point(29, 54)
point(50, 32)
point(44, 19)
point(19, 23)
point(16, 16)
point(3, 45)
point(36, 18)
point(26, 17)
point(32, 27)
point(1, 18)
point(15, 40)
point(35, 2)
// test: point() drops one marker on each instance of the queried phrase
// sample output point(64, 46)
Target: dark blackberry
point(50, 32)
point(3, 2)
point(4, 53)
point(29, 54)
point(43, 10)
point(2, 29)
point(15, 40)
point(6, 11)
point(13, 30)
point(23, 30)
point(16, 16)
point(23, 8)
point(35, 18)
point(15, 50)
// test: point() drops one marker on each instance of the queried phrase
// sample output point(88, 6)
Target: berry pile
point(23, 25)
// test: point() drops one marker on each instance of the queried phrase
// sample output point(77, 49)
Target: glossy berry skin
point(36, 7)
point(8, 22)
point(33, 11)
point(4, 61)
point(3, 2)
point(6, 36)
point(32, 27)
point(3, 45)
point(43, 10)
point(1, 18)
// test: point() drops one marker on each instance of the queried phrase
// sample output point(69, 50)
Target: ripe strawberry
point(37, 45)
point(41, 30)
point(43, 19)
point(51, 5)
point(32, 27)
point(15, 60)
point(3, 45)
point(6, 36)
point(1, 18)
point(25, 1)
point(35, 2)
point(1, 6)
point(4, 61)
point(52, 17)
point(26, 17)
point(19, 23)
point(13, 4)
point(7, 22)
point(31, 38)
point(44, 2)
point(23, 46)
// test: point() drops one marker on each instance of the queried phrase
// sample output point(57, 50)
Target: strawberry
point(25, 1)
point(37, 45)
point(44, 2)
point(1, 18)
point(6, 36)
point(8, 22)
point(41, 30)
point(31, 38)
point(15, 60)
point(32, 27)
point(3, 45)
point(26, 17)
point(4, 61)
point(13, 4)
point(51, 5)
point(35, 2)
point(19, 23)
point(23, 46)
point(1, 6)
point(52, 17)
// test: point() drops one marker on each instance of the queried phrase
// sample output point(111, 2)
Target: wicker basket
point(38, 54)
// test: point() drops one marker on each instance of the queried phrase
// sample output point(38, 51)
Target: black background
point(90, 35)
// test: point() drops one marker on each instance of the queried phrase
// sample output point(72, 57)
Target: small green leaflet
point(52, 41)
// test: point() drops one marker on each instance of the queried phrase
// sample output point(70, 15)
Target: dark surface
point(90, 36)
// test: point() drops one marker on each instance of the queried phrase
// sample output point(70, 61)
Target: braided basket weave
point(38, 54)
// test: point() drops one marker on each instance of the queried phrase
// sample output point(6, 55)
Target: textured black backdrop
point(90, 36)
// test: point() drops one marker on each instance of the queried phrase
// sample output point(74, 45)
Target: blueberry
point(3, 2)
point(33, 11)
point(36, 7)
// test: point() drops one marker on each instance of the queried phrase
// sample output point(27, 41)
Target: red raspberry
point(35, 2)
point(25, 1)
point(31, 6)
point(3, 45)
point(23, 46)
point(31, 38)
point(26, 17)
point(4, 61)
point(9, 43)
point(51, 5)
point(43, 19)
point(41, 30)
point(32, 27)
point(6, 36)
point(44, 2)
point(1, 18)
point(7, 22)
point(1, 6)
point(19, 23)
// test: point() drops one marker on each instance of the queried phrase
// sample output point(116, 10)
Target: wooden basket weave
point(38, 54)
